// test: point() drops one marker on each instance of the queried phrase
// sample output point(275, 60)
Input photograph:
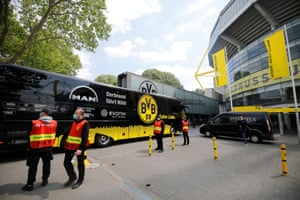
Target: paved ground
point(125, 171)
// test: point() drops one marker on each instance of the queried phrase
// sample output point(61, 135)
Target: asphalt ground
point(125, 171)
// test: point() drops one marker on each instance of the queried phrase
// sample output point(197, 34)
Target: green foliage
point(79, 23)
point(44, 33)
point(50, 55)
point(107, 78)
point(54, 56)
point(163, 77)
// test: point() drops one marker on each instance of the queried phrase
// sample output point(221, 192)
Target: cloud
point(140, 41)
point(121, 51)
point(197, 17)
point(199, 6)
point(85, 60)
point(121, 13)
point(184, 74)
point(177, 52)
point(128, 48)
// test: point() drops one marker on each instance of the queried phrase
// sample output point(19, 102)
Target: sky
point(168, 35)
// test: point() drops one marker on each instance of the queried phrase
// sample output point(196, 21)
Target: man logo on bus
point(83, 93)
point(148, 87)
point(147, 109)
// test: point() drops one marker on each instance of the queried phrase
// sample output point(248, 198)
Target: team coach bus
point(114, 113)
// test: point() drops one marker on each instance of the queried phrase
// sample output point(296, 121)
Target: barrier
point(283, 160)
point(215, 148)
point(173, 141)
point(150, 145)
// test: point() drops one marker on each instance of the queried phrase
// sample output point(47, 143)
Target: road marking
point(130, 189)
point(137, 191)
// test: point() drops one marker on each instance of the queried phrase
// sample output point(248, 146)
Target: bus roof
point(79, 79)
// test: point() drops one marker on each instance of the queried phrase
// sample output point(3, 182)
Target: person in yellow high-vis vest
point(75, 143)
point(41, 141)
point(185, 131)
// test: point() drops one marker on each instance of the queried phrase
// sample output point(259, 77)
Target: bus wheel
point(208, 134)
point(255, 138)
point(102, 140)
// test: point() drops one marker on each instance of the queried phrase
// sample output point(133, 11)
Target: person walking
point(185, 131)
point(41, 141)
point(159, 133)
point(76, 142)
point(243, 128)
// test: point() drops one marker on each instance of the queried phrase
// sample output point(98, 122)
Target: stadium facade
point(241, 29)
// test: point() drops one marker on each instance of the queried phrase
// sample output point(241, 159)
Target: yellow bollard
point(86, 161)
point(215, 148)
point(283, 160)
point(173, 141)
point(150, 145)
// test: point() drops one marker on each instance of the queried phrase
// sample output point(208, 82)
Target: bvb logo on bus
point(147, 108)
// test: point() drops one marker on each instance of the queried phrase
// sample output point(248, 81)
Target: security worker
point(41, 141)
point(185, 131)
point(159, 132)
point(75, 144)
point(243, 128)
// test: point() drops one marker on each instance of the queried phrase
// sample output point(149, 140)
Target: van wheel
point(102, 140)
point(255, 138)
point(208, 134)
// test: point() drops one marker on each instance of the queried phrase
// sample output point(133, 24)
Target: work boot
point(77, 185)
point(69, 182)
point(44, 183)
point(28, 187)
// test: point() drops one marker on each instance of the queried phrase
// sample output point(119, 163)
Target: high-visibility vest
point(74, 138)
point(185, 125)
point(157, 126)
point(42, 134)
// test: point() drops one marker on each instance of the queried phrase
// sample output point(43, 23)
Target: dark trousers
point(244, 135)
point(32, 163)
point(69, 166)
point(186, 139)
point(159, 139)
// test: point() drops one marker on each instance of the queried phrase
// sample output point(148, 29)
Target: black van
point(226, 124)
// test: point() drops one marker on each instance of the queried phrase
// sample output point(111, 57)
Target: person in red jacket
point(76, 142)
point(41, 141)
point(159, 133)
point(185, 131)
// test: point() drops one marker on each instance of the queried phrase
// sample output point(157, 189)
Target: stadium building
point(241, 29)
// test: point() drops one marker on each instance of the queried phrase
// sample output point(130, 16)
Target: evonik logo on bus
point(83, 93)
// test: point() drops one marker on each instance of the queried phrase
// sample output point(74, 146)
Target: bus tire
point(102, 140)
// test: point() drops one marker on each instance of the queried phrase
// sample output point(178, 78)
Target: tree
point(77, 24)
point(107, 79)
point(50, 55)
point(163, 77)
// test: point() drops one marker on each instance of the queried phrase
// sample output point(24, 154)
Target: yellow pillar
point(150, 145)
point(173, 141)
point(86, 161)
point(283, 160)
point(215, 148)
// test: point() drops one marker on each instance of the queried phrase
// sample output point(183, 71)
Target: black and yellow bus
point(114, 113)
